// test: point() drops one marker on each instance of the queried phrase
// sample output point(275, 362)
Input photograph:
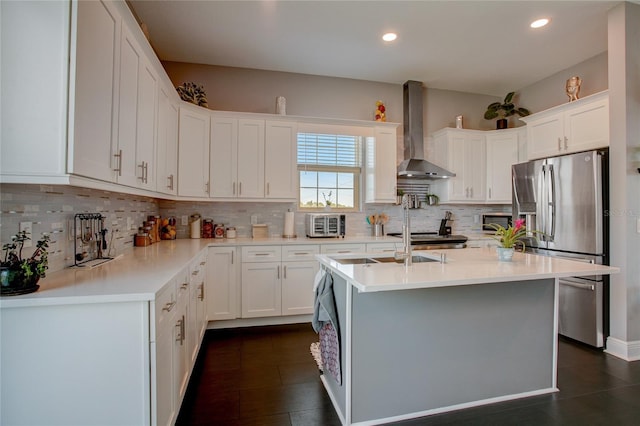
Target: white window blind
point(329, 150)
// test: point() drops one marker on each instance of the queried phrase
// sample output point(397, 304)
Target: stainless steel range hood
point(414, 165)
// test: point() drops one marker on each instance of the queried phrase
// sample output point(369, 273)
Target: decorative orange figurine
point(380, 111)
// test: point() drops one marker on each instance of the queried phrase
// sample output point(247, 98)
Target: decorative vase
point(505, 254)
point(14, 282)
point(501, 123)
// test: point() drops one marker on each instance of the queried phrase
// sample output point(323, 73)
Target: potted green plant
point(503, 110)
point(431, 199)
point(20, 275)
point(511, 237)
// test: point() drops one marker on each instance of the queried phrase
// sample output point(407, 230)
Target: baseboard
point(253, 322)
point(628, 351)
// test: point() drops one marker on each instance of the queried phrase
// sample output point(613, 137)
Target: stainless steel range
point(431, 240)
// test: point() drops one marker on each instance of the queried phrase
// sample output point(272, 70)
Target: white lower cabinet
point(299, 269)
point(222, 283)
point(278, 280)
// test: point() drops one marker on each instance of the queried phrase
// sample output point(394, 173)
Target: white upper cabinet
point(502, 153)
point(380, 166)
point(193, 151)
point(252, 158)
point(237, 158)
point(280, 160)
point(97, 39)
point(167, 142)
point(462, 152)
point(146, 125)
point(572, 127)
point(137, 106)
point(250, 167)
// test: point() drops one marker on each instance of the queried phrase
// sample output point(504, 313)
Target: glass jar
point(207, 228)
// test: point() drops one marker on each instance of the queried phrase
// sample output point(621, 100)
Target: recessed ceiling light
point(539, 23)
point(390, 36)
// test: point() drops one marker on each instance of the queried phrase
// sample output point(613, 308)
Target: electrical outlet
point(185, 220)
point(254, 219)
point(28, 228)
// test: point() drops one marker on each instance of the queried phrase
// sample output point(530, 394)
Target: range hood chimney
point(414, 165)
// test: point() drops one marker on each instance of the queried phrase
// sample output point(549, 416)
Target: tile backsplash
point(51, 209)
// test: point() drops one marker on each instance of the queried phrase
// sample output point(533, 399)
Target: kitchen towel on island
point(325, 323)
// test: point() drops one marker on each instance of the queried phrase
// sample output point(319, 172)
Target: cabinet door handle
point(146, 172)
point(203, 263)
point(489, 193)
point(278, 271)
point(566, 143)
point(206, 187)
point(239, 188)
point(195, 273)
point(285, 272)
point(119, 157)
point(471, 192)
point(201, 296)
point(262, 254)
point(302, 253)
point(559, 144)
point(232, 257)
point(234, 188)
point(267, 188)
point(169, 306)
point(170, 178)
point(184, 285)
point(141, 172)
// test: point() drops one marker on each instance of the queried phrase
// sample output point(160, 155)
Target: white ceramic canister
point(231, 232)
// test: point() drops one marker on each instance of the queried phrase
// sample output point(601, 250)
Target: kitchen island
point(440, 336)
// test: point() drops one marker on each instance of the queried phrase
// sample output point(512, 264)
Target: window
point(329, 169)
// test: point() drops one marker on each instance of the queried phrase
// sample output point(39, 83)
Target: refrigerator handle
point(552, 203)
point(541, 203)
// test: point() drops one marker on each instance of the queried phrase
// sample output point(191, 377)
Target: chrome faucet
point(406, 233)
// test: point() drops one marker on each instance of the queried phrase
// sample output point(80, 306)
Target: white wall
point(624, 98)
point(550, 91)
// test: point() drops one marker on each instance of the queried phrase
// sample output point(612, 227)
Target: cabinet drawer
point(384, 247)
point(261, 254)
point(166, 305)
point(299, 252)
point(342, 248)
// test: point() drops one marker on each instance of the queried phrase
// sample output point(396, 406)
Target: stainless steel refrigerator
point(566, 198)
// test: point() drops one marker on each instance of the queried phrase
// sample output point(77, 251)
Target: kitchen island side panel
point(81, 364)
point(340, 288)
point(419, 350)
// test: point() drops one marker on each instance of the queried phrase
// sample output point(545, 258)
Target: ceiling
point(479, 46)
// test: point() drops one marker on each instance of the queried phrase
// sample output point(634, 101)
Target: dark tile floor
point(266, 376)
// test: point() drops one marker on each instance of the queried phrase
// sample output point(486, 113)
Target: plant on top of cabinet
point(503, 110)
point(194, 93)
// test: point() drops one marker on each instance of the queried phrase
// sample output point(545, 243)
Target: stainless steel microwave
point(319, 225)
point(498, 218)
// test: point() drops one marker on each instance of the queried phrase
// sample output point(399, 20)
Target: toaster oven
point(322, 225)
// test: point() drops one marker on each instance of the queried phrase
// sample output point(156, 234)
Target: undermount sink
point(387, 259)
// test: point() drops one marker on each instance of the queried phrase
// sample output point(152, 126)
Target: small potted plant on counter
point(504, 110)
point(510, 238)
point(19, 275)
point(431, 199)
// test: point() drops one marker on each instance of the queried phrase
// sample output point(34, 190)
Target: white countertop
point(463, 267)
point(141, 272)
